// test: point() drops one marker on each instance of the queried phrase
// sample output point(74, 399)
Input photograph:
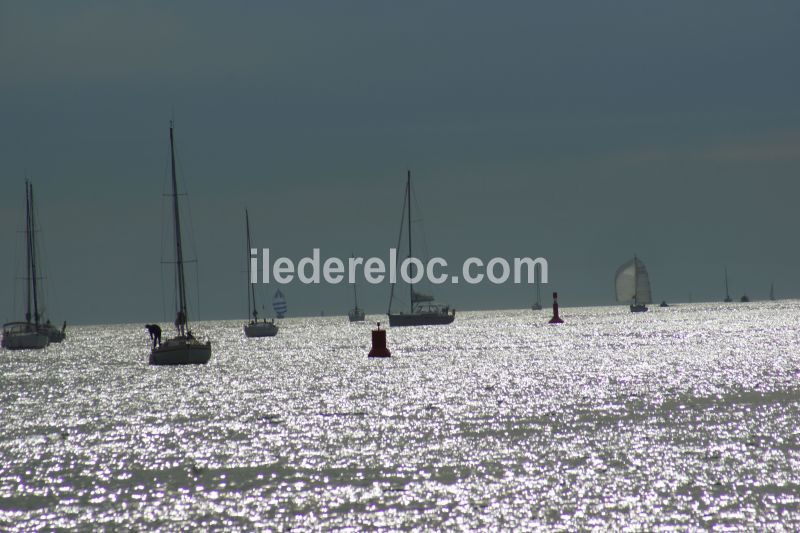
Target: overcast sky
point(583, 132)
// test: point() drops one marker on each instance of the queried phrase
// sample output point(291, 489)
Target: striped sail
point(279, 304)
point(632, 283)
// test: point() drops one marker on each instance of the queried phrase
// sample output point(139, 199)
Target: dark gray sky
point(581, 132)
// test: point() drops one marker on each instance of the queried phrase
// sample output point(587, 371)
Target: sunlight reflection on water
point(685, 416)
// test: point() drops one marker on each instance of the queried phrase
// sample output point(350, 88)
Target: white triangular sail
point(632, 283)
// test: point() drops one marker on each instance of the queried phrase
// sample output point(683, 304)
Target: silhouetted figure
point(180, 322)
point(153, 329)
point(556, 319)
point(255, 316)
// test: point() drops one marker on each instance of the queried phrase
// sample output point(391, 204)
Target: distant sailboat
point(356, 314)
point(727, 293)
point(537, 306)
point(279, 304)
point(255, 328)
point(422, 311)
point(772, 292)
point(183, 349)
point(632, 285)
point(30, 334)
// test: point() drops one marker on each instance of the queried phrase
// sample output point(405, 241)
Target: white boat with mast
point(30, 333)
point(356, 314)
point(422, 310)
point(255, 328)
point(632, 284)
point(184, 348)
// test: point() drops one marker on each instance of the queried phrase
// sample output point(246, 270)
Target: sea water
point(684, 416)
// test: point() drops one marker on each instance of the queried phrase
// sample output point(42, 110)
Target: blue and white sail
point(279, 304)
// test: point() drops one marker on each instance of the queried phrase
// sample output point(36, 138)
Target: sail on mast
point(632, 283)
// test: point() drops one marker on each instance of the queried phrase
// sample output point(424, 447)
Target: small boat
point(537, 306)
point(32, 333)
point(727, 293)
point(663, 303)
point(255, 328)
point(632, 284)
point(279, 304)
point(356, 314)
point(744, 298)
point(184, 348)
point(422, 310)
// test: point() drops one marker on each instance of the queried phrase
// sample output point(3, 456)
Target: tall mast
point(408, 199)
point(32, 253)
point(727, 294)
point(355, 294)
point(635, 280)
point(251, 292)
point(178, 245)
point(538, 286)
point(28, 277)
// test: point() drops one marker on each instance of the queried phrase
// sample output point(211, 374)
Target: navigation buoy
point(556, 319)
point(379, 348)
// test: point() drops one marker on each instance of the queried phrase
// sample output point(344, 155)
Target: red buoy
point(379, 348)
point(556, 319)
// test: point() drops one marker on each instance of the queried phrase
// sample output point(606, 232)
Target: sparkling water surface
point(679, 417)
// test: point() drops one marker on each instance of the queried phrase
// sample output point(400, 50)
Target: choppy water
point(686, 416)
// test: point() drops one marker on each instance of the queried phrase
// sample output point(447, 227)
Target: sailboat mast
point(28, 277)
point(251, 290)
point(635, 280)
point(408, 199)
point(727, 294)
point(355, 293)
point(539, 287)
point(32, 252)
point(178, 245)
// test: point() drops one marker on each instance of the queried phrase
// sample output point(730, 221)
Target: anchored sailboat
point(727, 293)
point(255, 328)
point(279, 304)
point(30, 334)
point(183, 349)
point(422, 311)
point(356, 314)
point(632, 285)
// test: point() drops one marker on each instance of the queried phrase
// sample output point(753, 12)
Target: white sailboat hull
point(181, 351)
point(260, 329)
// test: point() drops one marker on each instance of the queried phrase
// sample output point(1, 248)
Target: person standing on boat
point(155, 333)
point(180, 322)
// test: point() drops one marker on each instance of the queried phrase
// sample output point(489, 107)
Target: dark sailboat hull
point(181, 351)
point(421, 319)
point(640, 308)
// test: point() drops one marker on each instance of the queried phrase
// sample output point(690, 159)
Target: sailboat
point(422, 310)
point(537, 306)
point(772, 292)
point(633, 285)
point(356, 314)
point(255, 328)
point(184, 348)
point(30, 334)
point(727, 293)
point(279, 304)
